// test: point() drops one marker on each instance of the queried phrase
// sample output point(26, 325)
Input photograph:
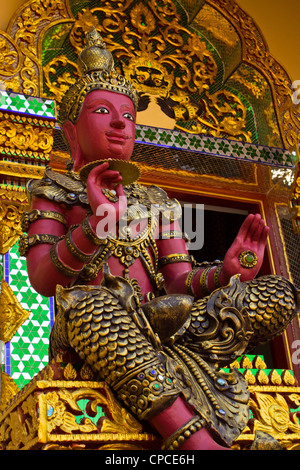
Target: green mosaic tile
point(212, 146)
point(29, 346)
point(251, 152)
point(181, 140)
point(165, 137)
point(224, 148)
point(34, 106)
point(151, 134)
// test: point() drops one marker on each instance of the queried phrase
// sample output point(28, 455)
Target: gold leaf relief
point(59, 86)
point(60, 418)
point(10, 56)
point(122, 421)
point(119, 18)
point(295, 398)
point(273, 414)
point(10, 226)
point(146, 32)
point(23, 38)
point(8, 389)
point(69, 372)
point(12, 194)
point(25, 137)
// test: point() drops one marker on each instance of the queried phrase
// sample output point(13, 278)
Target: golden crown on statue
point(96, 64)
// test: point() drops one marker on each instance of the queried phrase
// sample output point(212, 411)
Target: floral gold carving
point(9, 55)
point(51, 413)
point(274, 414)
point(57, 416)
point(189, 69)
point(10, 225)
point(257, 54)
point(24, 38)
point(8, 390)
point(59, 86)
point(22, 138)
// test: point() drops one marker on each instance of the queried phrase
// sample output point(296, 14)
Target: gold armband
point(27, 241)
point(36, 214)
point(216, 277)
point(173, 234)
point(65, 270)
point(89, 233)
point(73, 248)
point(203, 279)
point(182, 434)
point(189, 281)
point(175, 258)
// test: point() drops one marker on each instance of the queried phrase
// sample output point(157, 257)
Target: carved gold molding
point(13, 194)
point(8, 390)
point(10, 223)
point(272, 410)
point(25, 139)
point(21, 171)
point(44, 415)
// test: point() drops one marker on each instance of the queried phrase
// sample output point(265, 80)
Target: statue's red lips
point(117, 136)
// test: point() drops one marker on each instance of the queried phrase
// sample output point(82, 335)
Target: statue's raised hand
point(107, 213)
point(245, 256)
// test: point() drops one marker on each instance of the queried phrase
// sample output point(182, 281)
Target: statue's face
point(106, 127)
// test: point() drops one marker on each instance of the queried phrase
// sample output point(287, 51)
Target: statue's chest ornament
point(136, 233)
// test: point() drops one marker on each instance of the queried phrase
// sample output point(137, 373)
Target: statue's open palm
point(252, 236)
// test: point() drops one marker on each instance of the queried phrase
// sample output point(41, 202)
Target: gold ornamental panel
point(12, 314)
point(63, 407)
point(10, 223)
point(180, 60)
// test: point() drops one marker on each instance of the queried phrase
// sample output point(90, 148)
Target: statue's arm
point(62, 250)
point(43, 275)
point(183, 277)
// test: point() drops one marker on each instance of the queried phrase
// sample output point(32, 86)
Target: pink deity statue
point(132, 303)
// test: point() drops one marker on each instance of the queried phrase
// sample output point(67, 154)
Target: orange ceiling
point(277, 19)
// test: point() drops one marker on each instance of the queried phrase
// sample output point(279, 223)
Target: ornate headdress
point(96, 65)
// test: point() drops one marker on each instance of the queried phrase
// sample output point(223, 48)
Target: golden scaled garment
point(127, 343)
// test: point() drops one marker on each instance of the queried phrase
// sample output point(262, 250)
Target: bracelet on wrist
point(216, 277)
point(189, 281)
point(203, 280)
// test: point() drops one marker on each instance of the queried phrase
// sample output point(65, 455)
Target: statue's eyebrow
point(98, 102)
point(103, 101)
point(127, 107)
